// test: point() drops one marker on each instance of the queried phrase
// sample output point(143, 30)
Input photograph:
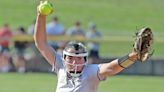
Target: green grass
point(27, 82)
point(31, 82)
point(132, 84)
point(113, 17)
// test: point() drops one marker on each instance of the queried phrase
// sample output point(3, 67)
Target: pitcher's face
point(75, 58)
point(74, 63)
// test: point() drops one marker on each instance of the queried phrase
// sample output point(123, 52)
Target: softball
point(45, 8)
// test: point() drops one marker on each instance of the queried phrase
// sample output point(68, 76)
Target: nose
point(74, 61)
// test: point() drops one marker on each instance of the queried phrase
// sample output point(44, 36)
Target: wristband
point(125, 61)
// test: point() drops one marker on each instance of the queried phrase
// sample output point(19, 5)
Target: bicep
point(109, 69)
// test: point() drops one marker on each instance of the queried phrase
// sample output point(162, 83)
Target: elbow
point(115, 71)
point(112, 72)
point(39, 46)
point(107, 73)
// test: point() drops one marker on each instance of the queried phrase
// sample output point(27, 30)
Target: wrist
point(125, 61)
point(40, 15)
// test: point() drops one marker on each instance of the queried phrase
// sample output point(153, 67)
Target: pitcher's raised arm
point(40, 38)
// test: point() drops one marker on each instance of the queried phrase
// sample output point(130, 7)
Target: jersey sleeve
point(101, 78)
point(58, 63)
point(92, 71)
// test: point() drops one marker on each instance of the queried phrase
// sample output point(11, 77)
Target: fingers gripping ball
point(45, 8)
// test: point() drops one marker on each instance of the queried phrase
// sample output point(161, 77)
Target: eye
point(69, 57)
point(80, 58)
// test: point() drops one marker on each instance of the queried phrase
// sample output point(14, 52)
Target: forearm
point(117, 65)
point(40, 31)
point(110, 69)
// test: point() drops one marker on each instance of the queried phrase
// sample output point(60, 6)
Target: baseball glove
point(143, 44)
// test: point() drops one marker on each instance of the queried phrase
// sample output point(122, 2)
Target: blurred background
point(106, 27)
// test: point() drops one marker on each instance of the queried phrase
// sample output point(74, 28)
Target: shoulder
point(92, 72)
point(58, 57)
point(89, 66)
point(98, 33)
point(92, 68)
point(58, 63)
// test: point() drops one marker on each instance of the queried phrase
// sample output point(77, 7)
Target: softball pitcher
point(73, 72)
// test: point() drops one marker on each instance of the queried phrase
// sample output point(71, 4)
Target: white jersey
point(87, 82)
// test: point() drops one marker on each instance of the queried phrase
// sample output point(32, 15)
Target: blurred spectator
point(31, 28)
point(55, 28)
point(20, 48)
point(5, 38)
point(93, 46)
point(76, 30)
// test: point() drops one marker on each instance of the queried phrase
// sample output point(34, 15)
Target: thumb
point(41, 1)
